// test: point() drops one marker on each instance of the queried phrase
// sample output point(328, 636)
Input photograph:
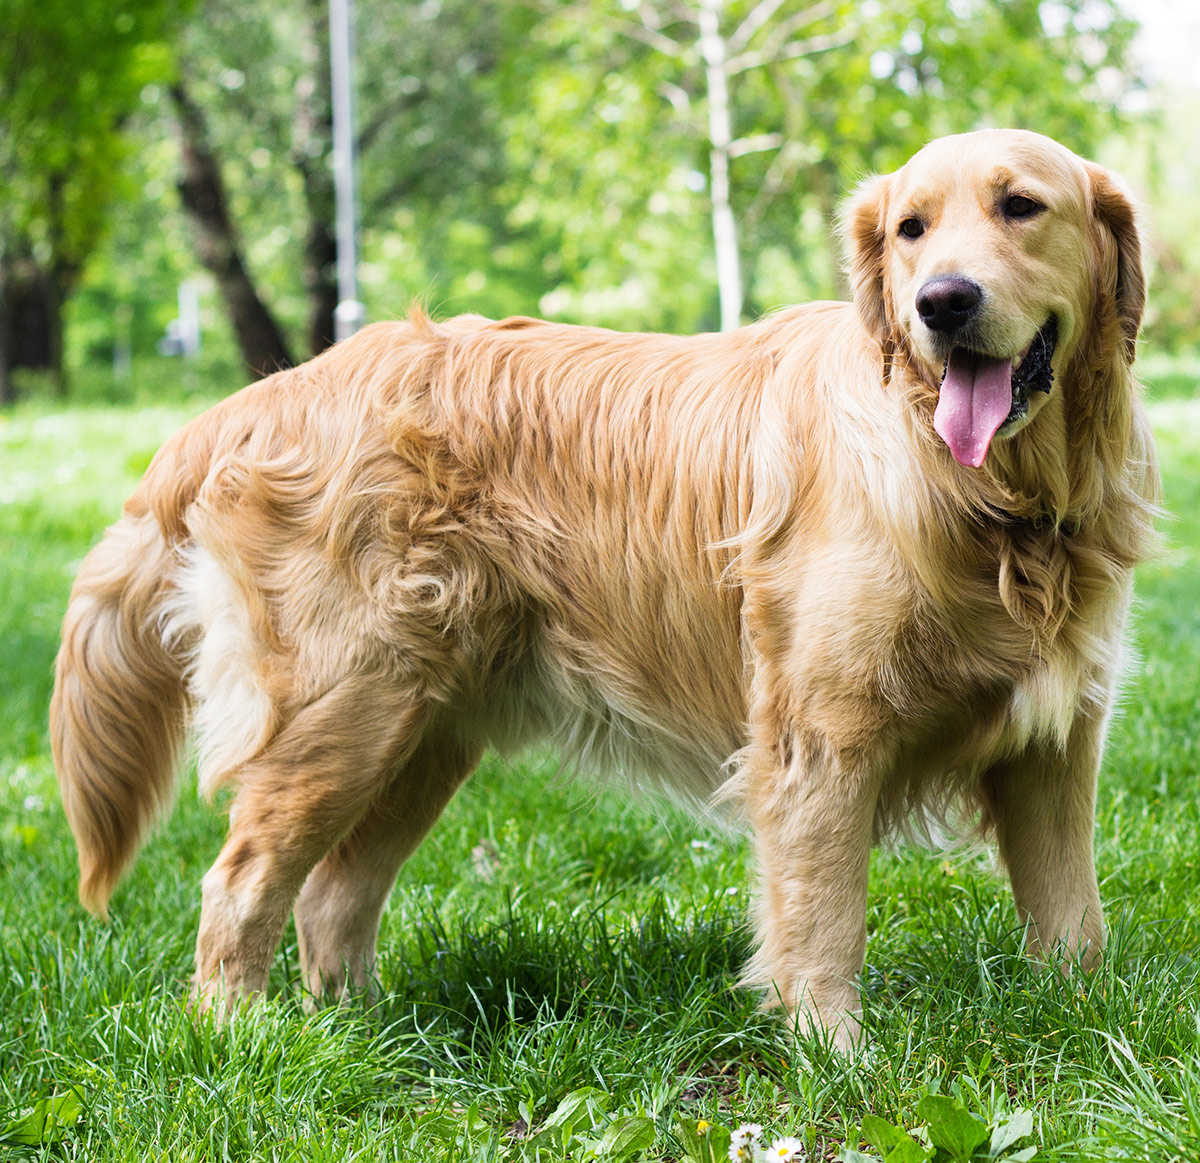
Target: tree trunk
point(320, 270)
point(31, 323)
point(202, 191)
point(57, 277)
point(720, 137)
point(311, 154)
point(51, 287)
point(7, 395)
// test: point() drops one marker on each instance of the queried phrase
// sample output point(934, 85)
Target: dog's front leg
point(813, 817)
point(1043, 805)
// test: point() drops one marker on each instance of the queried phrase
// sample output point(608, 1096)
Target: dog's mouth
point(982, 395)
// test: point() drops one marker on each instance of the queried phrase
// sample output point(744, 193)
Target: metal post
point(189, 318)
point(349, 313)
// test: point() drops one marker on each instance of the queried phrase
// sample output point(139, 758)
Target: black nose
point(947, 302)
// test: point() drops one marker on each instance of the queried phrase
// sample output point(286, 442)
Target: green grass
point(546, 939)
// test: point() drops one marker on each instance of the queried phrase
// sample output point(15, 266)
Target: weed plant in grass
point(552, 949)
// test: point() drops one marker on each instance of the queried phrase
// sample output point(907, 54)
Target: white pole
point(349, 313)
point(189, 318)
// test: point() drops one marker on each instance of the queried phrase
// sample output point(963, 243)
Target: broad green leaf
point(951, 1127)
point(624, 1137)
point(881, 1134)
point(584, 1106)
point(1021, 1156)
point(908, 1151)
point(850, 1155)
point(1009, 1131)
point(47, 1122)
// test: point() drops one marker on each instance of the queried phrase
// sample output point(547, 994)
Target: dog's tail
point(119, 711)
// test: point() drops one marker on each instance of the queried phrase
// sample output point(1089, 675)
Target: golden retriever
point(856, 565)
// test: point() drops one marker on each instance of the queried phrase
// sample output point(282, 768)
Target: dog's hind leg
point(300, 796)
point(337, 914)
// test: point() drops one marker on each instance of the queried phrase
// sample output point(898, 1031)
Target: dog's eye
point(912, 228)
point(1018, 206)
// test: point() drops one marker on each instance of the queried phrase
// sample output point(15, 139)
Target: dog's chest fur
point(928, 672)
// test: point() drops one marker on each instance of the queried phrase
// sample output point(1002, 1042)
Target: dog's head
point(990, 257)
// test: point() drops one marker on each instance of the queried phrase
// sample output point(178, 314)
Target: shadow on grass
point(529, 966)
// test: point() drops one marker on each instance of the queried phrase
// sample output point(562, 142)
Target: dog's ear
point(1120, 252)
point(865, 238)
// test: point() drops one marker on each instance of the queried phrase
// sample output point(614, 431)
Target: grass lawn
point(558, 967)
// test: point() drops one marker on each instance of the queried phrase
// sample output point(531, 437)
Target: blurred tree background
point(658, 164)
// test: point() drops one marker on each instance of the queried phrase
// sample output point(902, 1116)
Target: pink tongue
point(975, 399)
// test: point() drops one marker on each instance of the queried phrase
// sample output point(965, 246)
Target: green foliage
point(552, 158)
point(703, 1141)
point(1166, 174)
point(612, 155)
point(1149, 1113)
point(545, 158)
point(49, 1121)
point(950, 1134)
point(430, 142)
point(70, 74)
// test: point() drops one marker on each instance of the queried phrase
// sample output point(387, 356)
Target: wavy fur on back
point(673, 557)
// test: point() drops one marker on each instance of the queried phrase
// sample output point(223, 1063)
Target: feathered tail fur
point(118, 714)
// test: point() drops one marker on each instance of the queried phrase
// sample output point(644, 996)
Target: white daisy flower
point(789, 1149)
point(742, 1148)
point(746, 1133)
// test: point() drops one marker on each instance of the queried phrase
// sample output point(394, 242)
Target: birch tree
point(731, 42)
point(70, 74)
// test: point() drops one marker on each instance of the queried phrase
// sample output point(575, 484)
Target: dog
point(859, 566)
